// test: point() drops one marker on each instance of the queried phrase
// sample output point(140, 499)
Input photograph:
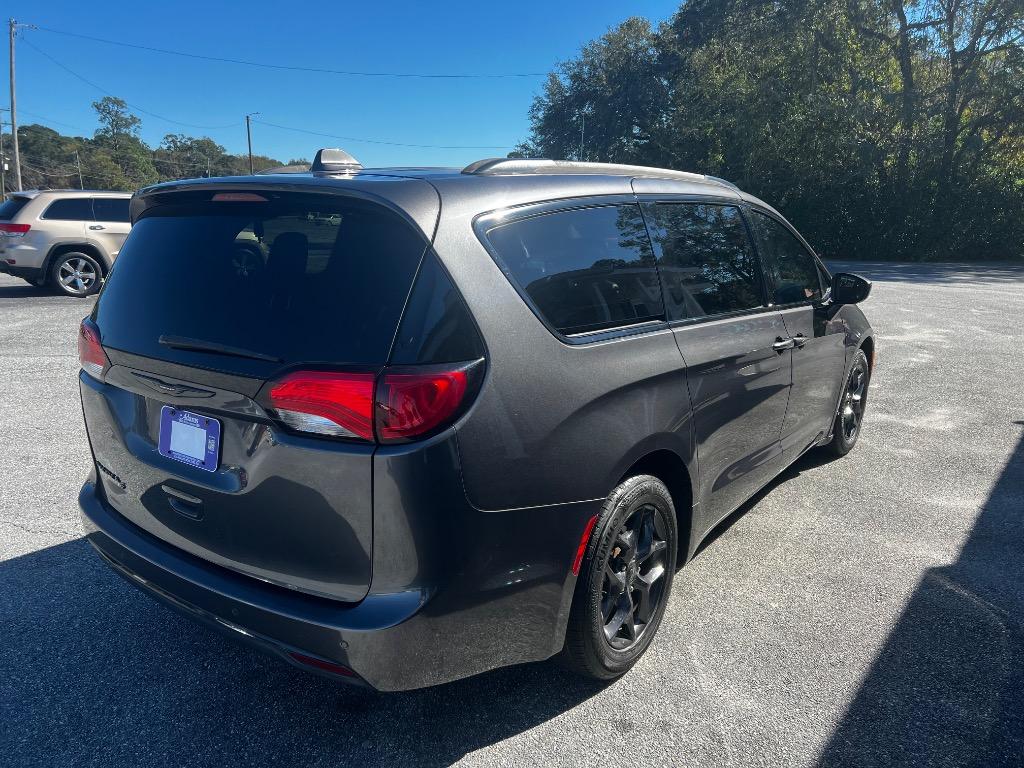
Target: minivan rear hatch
point(218, 293)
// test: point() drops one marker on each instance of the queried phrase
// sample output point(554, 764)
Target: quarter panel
point(554, 422)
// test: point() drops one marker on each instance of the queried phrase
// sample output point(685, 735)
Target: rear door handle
point(799, 339)
point(96, 226)
point(781, 344)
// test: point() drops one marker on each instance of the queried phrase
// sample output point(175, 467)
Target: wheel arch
point(60, 249)
point(868, 345)
point(669, 467)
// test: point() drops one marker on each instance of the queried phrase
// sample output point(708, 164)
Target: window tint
point(10, 207)
point(436, 326)
point(110, 209)
point(705, 259)
point(301, 278)
point(792, 271)
point(584, 270)
point(70, 209)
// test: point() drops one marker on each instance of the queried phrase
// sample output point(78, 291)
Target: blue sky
point(453, 37)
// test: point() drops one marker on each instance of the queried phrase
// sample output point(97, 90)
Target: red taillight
point(411, 404)
point(14, 230)
point(322, 664)
point(238, 197)
point(327, 403)
point(582, 548)
point(90, 351)
point(395, 406)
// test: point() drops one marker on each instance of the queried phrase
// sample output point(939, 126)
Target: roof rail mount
point(502, 166)
point(333, 160)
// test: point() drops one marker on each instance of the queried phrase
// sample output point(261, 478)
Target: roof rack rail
point(334, 160)
point(502, 166)
point(726, 182)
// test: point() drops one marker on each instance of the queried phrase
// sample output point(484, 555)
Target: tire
point(76, 274)
point(634, 538)
point(850, 417)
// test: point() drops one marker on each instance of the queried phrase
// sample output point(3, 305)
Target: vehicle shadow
point(810, 460)
point(20, 290)
point(947, 688)
point(94, 672)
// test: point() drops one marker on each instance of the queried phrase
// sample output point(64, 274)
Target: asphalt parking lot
point(861, 612)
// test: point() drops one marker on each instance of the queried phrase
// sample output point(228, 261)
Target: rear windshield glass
point(9, 208)
point(301, 278)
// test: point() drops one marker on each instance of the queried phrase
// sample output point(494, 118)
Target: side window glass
point(705, 259)
point(584, 270)
point(110, 209)
point(70, 209)
point(792, 271)
point(825, 277)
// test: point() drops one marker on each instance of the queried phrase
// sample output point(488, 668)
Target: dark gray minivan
point(400, 426)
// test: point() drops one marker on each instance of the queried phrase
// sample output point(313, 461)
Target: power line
point(50, 119)
point(296, 68)
point(386, 143)
point(136, 107)
point(69, 174)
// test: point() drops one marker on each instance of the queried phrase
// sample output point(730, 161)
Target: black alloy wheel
point(625, 580)
point(850, 417)
point(634, 577)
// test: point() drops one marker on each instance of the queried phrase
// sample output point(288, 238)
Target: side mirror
point(848, 288)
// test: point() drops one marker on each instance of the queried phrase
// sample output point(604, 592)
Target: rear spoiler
point(413, 199)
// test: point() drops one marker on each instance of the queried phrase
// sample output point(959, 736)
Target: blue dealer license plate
point(189, 438)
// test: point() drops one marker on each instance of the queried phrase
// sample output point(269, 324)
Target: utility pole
point(3, 160)
point(78, 160)
point(248, 135)
point(583, 129)
point(14, 112)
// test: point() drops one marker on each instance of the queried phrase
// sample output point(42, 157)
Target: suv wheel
point(850, 417)
point(625, 581)
point(76, 274)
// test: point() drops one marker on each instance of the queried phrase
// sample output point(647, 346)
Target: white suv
point(65, 238)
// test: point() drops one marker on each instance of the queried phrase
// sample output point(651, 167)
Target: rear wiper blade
point(198, 345)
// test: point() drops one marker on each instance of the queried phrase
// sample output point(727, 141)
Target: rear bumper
point(463, 625)
point(25, 254)
point(32, 274)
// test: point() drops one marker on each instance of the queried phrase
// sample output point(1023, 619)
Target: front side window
point(584, 270)
point(705, 259)
point(792, 271)
point(111, 208)
point(70, 209)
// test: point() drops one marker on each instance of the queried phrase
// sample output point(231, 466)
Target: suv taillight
point(90, 352)
point(14, 230)
point(410, 404)
point(337, 404)
point(394, 406)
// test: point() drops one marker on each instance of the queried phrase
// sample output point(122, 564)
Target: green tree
point(607, 104)
point(116, 158)
point(116, 122)
point(118, 135)
point(882, 128)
